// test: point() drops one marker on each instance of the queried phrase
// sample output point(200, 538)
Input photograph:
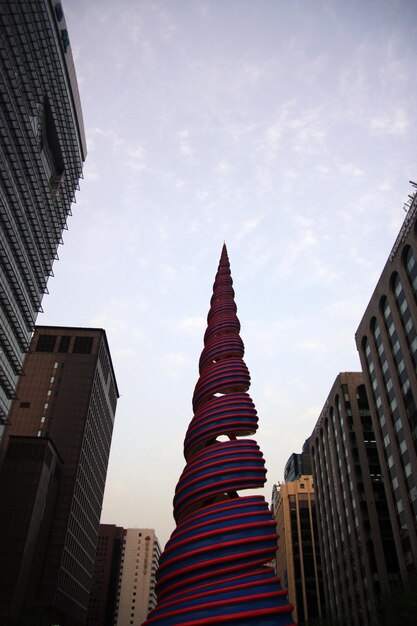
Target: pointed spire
point(213, 568)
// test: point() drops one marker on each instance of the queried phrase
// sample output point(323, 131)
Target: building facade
point(356, 540)
point(29, 483)
point(298, 561)
point(67, 396)
point(136, 589)
point(387, 344)
point(42, 149)
point(298, 464)
point(104, 588)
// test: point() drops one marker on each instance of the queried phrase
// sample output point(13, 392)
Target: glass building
point(387, 344)
point(298, 464)
point(42, 149)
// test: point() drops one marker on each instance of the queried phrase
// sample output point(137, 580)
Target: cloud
point(312, 345)
point(247, 227)
point(396, 123)
point(184, 143)
point(136, 159)
point(168, 272)
point(351, 170)
point(173, 363)
point(90, 171)
point(191, 324)
point(125, 353)
point(224, 167)
point(303, 129)
point(253, 72)
point(112, 324)
point(111, 135)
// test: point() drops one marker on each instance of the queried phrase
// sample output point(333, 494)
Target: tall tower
point(42, 149)
point(356, 540)
point(214, 567)
point(298, 561)
point(387, 344)
point(68, 398)
point(102, 603)
point(136, 587)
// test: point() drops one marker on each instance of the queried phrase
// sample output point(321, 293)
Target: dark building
point(387, 344)
point(298, 560)
point(356, 540)
point(29, 481)
point(298, 464)
point(101, 610)
point(123, 589)
point(67, 397)
point(42, 149)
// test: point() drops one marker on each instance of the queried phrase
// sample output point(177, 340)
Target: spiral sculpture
point(214, 567)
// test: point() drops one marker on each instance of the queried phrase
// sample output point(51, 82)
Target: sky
point(285, 128)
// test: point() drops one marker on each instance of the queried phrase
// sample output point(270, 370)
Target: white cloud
point(351, 170)
point(312, 345)
point(136, 159)
point(192, 324)
point(224, 167)
point(125, 353)
point(112, 324)
point(184, 143)
point(173, 363)
point(247, 227)
point(115, 138)
point(396, 123)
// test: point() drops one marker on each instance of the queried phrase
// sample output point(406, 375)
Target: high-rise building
point(136, 589)
point(42, 149)
point(387, 344)
point(356, 541)
point(298, 464)
point(67, 397)
point(104, 586)
point(298, 561)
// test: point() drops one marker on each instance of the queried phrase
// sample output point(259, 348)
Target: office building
point(298, 464)
point(136, 595)
point(387, 344)
point(67, 397)
point(356, 541)
point(42, 149)
point(29, 483)
point(298, 561)
point(105, 581)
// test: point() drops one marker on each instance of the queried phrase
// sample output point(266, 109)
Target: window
point(24, 405)
point(50, 151)
point(64, 343)
point(83, 345)
point(46, 343)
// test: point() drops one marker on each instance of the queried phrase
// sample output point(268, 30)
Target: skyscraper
point(387, 344)
point(214, 567)
point(67, 397)
point(356, 541)
point(298, 561)
point(298, 464)
point(42, 149)
point(102, 603)
point(136, 587)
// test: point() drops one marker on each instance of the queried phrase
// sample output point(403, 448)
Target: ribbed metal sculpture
point(214, 567)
